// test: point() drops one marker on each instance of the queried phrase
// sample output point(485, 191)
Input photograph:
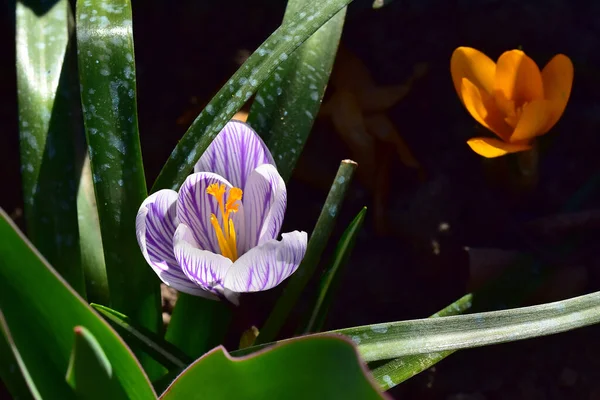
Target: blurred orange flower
point(512, 98)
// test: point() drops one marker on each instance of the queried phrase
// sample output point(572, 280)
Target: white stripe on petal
point(155, 226)
point(195, 206)
point(264, 206)
point(267, 265)
point(203, 267)
point(234, 153)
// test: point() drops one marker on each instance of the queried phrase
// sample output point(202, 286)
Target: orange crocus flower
point(511, 97)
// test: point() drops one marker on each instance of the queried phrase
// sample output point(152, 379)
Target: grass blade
point(331, 276)
point(90, 238)
point(242, 85)
point(46, 133)
point(108, 96)
point(316, 245)
point(19, 386)
point(143, 339)
point(287, 104)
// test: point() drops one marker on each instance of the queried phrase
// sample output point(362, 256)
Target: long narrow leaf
point(108, 96)
point(385, 341)
point(46, 134)
point(42, 310)
point(143, 339)
point(433, 335)
point(17, 379)
point(287, 104)
point(400, 369)
point(242, 85)
point(316, 245)
point(332, 274)
point(90, 239)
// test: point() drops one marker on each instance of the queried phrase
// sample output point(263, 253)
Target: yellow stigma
point(226, 233)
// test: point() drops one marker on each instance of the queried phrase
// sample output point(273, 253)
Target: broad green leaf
point(315, 247)
point(45, 100)
point(42, 310)
point(140, 338)
point(431, 335)
point(303, 368)
point(198, 324)
point(400, 369)
point(331, 276)
point(242, 85)
point(108, 97)
point(90, 373)
point(287, 104)
point(13, 370)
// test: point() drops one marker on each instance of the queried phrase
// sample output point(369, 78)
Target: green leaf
point(46, 133)
point(315, 247)
point(242, 85)
point(108, 96)
point(431, 335)
point(145, 340)
point(42, 311)
point(331, 276)
point(400, 369)
point(13, 370)
point(287, 104)
point(90, 373)
point(303, 368)
point(90, 239)
point(207, 319)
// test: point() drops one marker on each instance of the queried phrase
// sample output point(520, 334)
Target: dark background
point(185, 52)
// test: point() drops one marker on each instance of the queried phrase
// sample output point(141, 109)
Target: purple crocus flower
point(217, 236)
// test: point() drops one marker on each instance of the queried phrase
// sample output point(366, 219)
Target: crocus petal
point(557, 76)
point(155, 226)
point(195, 206)
point(518, 78)
point(234, 154)
point(533, 120)
point(267, 265)
point(264, 206)
point(484, 109)
point(490, 147)
point(473, 65)
point(206, 269)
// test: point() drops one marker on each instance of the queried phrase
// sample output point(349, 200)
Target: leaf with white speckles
point(106, 72)
point(288, 102)
point(48, 168)
point(259, 66)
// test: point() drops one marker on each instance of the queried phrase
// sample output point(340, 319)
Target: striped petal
point(264, 203)
point(195, 206)
point(206, 269)
point(267, 265)
point(155, 226)
point(234, 154)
